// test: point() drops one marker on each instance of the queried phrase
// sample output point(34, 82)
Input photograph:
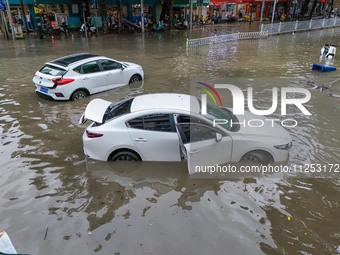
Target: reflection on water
point(54, 201)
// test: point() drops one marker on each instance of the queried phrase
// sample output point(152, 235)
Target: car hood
point(95, 111)
point(269, 129)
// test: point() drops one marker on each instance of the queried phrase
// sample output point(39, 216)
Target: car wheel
point(135, 78)
point(257, 157)
point(78, 95)
point(124, 156)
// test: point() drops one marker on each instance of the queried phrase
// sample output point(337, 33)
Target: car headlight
point(284, 146)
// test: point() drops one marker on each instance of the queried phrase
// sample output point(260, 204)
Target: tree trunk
point(104, 16)
point(313, 8)
point(167, 10)
point(119, 7)
point(304, 8)
point(171, 13)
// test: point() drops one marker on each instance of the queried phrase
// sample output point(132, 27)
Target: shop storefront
point(182, 9)
point(254, 7)
point(244, 8)
point(31, 13)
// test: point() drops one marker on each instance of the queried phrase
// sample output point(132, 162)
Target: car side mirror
point(218, 137)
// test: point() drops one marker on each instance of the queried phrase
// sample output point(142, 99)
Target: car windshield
point(52, 70)
point(230, 121)
point(119, 109)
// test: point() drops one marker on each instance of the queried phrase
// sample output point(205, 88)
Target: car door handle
point(86, 78)
point(194, 151)
point(140, 140)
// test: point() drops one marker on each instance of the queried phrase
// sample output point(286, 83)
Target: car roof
point(70, 59)
point(166, 101)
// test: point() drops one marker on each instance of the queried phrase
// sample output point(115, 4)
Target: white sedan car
point(79, 75)
point(169, 127)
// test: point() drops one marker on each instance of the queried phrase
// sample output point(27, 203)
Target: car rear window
point(52, 70)
point(67, 60)
point(115, 110)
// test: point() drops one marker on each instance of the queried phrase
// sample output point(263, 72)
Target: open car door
point(205, 146)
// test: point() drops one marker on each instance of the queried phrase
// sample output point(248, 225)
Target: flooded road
point(53, 201)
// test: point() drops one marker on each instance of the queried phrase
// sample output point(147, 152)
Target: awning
point(220, 2)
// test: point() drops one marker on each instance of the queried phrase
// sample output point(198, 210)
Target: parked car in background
point(79, 75)
point(169, 127)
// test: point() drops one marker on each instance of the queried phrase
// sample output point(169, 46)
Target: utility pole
point(3, 19)
point(4, 24)
point(261, 16)
point(85, 25)
point(142, 15)
point(24, 16)
point(251, 12)
point(191, 10)
point(10, 19)
point(273, 13)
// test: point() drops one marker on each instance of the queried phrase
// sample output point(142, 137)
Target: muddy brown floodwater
point(53, 201)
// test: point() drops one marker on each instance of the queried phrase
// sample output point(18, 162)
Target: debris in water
point(46, 233)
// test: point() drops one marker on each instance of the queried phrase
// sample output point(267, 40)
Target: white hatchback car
point(79, 75)
point(169, 127)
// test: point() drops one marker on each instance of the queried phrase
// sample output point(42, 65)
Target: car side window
point(194, 129)
point(136, 123)
point(91, 67)
point(195, 132)
point(110, 65)
point(153, 122)
point(190, 119)
point(77, 69)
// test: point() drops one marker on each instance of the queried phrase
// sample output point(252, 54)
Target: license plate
point(43, 89)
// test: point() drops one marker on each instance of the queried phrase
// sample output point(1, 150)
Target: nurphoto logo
point(239, 103)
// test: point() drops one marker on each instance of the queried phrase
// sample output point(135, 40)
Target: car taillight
point(93, 135)
point(62, 81)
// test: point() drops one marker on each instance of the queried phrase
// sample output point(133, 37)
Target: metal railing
point(252, 35)
point(226, 38)
point(267, 29)
point(296, 26)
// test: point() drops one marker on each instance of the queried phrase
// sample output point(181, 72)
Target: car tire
point(124, 156)
point(256, 157)
point(135, 78)
point(78, 95)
